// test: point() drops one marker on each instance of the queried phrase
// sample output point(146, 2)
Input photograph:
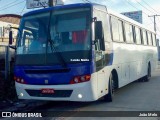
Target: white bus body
point(128, 62)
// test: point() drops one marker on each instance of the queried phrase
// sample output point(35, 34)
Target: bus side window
point(129, 33)
point(149, 38)
point(117, 29)
point(141, 37)
point(138, 35)
point(154, 39)
point(144, 37)
point(120, 26)
point(134, 34)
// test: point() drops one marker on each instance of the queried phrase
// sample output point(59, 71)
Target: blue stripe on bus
point(54, 78)
point(110, 59)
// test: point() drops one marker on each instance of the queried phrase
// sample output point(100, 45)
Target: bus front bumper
point(73, 92)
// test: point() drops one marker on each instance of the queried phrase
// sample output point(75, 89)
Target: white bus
point(88, 51)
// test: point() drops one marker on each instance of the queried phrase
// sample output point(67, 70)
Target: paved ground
point(137, 96)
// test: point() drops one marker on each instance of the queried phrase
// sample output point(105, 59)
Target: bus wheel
point(148, 76)
point(111, 86)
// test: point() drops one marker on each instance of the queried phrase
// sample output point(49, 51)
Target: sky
point(149, 7)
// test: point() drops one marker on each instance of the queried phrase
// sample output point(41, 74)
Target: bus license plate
point(47, 91)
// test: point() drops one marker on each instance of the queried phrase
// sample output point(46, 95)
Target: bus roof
point(83, 5)
point(68, 6)
point(127, 19)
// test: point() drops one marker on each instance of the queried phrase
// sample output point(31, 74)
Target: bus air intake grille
point(56, 94)
point(47, 71)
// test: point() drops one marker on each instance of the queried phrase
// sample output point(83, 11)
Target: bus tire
point(109, 96)
point(148, 76)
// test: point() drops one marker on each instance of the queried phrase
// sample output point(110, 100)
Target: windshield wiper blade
point(53, 48)
point(59, 56)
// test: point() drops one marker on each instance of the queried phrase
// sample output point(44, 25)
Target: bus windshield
point(68, 31)
point(33, 34)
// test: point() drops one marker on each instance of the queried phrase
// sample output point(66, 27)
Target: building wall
point(4, 32)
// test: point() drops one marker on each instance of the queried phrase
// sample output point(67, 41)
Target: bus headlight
point(21, 94)
point(80, 96)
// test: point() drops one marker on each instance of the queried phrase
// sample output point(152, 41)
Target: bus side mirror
point(99, 34)
point(10, 37)
point(98, 30)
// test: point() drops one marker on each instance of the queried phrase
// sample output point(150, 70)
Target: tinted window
point(149, 38)
point(154, 39)
point(120, 26)
point(138, 35)
point(117, 29)
point(103, 16)
point(128, 33)
point(144, 38)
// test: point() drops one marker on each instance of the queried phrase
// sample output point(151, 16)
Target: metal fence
point(6, 59)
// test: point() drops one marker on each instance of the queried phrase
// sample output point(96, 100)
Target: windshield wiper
point(59, 56)
point(52, 45)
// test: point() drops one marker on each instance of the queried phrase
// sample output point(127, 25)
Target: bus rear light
point(19, 80)
point(80, 79)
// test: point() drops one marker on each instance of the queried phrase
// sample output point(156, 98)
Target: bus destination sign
point(37, 3)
